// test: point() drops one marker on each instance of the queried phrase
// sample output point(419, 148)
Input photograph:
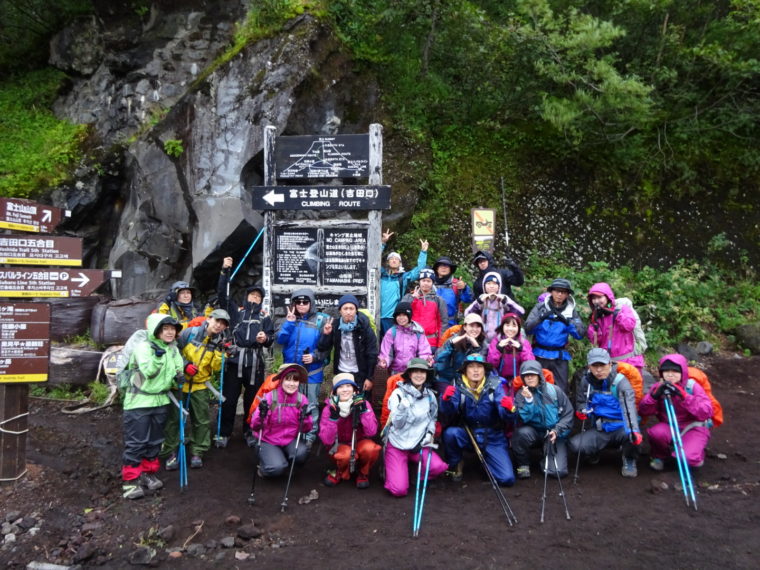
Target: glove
point(158, 351)
point(508, 403)
point(563, 319)
point(191, 369)
point(636, 438)
point(334, 410)
point(179, 378)
point(229, 348)
point(581, 416)
point(263, 409)
point(449, 392)
point(678, 391)
point(659, 391)
point(501, 297)
point(304, 412)
point(427, 441)
point(358, 402)
point(438, 429)
point(543, 312)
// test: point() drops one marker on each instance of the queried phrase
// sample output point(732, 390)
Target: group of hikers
point(496, 385)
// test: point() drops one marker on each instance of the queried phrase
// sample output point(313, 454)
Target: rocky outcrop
point(177, 215)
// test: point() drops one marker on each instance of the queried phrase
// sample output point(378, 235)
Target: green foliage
point(36, 149)
point(174, 148)
point(64, 392)
point(27, 25)
point(687, 303)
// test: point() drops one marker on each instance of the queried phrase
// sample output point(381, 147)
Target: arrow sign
point(273, 198)
point(51, 282)
point(27, 216)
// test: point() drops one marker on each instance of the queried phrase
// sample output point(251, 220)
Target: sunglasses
point(302, 302)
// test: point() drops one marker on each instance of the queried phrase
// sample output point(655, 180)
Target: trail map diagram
point(342, 156)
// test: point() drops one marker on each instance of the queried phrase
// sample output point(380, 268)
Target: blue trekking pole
point(247, 253)
point(182, 453)
point(417, 495)
point(418, 509)
point(683, 467)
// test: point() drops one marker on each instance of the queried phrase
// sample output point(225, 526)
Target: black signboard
point(339, 156)
point(345, 257)
point(350, 197)
point(325, 302)
point(296, 256)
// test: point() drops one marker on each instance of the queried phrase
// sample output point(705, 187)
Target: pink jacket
point(281, 422)
point(401, 344)
point(507, 368)
point(343, 427)
point(614, 332)
point(695, 407)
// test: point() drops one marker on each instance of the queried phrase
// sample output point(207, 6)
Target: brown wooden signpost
point(24, 358)
point(28, 216)
point(40, 250)
point(51, 282)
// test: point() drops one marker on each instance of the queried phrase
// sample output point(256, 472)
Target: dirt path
point(73, 486)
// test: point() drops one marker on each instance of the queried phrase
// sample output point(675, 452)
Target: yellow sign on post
point(483, 229)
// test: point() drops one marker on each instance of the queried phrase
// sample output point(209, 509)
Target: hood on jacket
point(155, 321)
point(492, 276)
point(482, 254)
point(601, 289)
point(532, 367)
point(305, 292)
point(678, 360)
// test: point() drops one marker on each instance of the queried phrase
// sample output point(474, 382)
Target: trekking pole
point(417, 488)
point(580, 439)
point(252, 496)
point(284, 504)
point(494, 484)
point(418, 514)
point(182, 451)
point(546, 477)
point(559, 479)
point(352, 458)
point(220, 399)
point(683, 466)
point(247, 253)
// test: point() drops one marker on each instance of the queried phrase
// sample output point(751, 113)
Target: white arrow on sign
point(47, 215)
point(82, 280)
point(272, 197)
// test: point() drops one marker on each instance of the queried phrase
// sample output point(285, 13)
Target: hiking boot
point(251, 440)
point(629, 467)
point(150, 481)
point(172, 464)
point(132, 489)
point(457, 473)
point(700, 464)
point(221, 441)
point(362, 482)
point(656, 464)
point(332, 479)
point(593, 459)
point(196, 462)
point(523, 472)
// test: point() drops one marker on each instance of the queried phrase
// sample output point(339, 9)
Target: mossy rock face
point(748, 336)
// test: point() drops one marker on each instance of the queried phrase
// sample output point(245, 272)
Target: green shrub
point(37, 151)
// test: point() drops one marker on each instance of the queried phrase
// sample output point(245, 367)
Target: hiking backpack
point(697, 375)
point(127, 373)
point(639, 338)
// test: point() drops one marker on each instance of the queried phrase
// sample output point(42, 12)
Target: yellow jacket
point(203, 351)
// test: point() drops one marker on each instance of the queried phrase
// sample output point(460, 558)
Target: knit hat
point(348, 299)
point(669, 365)
point(475, 358)
point(598, 356)
point(473, 318)
point(393, 254)
point(288, 368)
point(561, 284)
point(403, 308)
point(343, 378)
point(427, 273)
point(445, 261)
point(221, 315)
point(531, 367)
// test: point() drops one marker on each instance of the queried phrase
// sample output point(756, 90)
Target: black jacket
point(511, 275)
point(365, 345)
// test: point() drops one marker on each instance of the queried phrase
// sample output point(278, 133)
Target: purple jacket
point(401, 344)
point(343, 427)
point(614, 332)
point(281, 422)
point(492, 311)
point(695, 407)
point(509, 364)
